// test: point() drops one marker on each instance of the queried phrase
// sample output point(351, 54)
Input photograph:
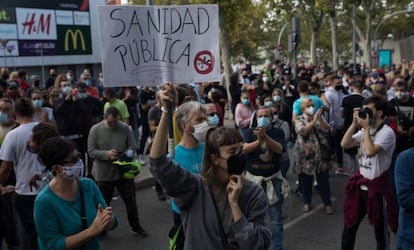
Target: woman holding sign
point(220, 209)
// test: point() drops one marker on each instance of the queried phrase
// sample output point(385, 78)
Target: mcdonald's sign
point(74, 36)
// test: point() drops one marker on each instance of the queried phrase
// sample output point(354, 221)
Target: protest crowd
point(64, 144)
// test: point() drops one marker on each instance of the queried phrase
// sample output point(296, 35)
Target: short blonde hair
point(305, 102)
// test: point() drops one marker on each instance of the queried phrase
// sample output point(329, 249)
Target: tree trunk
point(334, 36)
point(225, 53)
point(314, 36)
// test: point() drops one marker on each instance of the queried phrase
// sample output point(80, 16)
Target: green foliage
point(253, 26)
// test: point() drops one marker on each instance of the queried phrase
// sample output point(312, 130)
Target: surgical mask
point(213, 120)
point(263, 122)
point(88, 82)
point(245, 101)
point(309, 110)
point(69, 78)
point(73, 172)
point(265, 79)
point(277, 75)
point(4, 118)
point(37, 103)
point(66, 90)
point(236, 164)
point(83, 95)
point(277, 98)
point(268, 104)
point(400, 94)
point(200, 131)
point(350, 92)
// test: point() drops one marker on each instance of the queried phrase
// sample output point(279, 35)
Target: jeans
point(335, 142)
point(8, 222)
point(276, 218)
point(26, 230)
point(126, 189)
point(381, 231)
point(306, 183)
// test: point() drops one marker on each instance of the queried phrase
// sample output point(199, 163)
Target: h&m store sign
point(55, 31)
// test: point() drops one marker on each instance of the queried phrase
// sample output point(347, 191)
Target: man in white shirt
point(14, 154)
point(367, 189)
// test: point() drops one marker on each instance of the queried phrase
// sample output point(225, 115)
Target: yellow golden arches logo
point(74, 35)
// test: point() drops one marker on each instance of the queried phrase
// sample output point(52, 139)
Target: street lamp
point(409, 10)
point(4, 43)
point(41, 47)
point(280, 38)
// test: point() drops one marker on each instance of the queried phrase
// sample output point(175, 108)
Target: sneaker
point(296, 192)
point(329, 210)
point(140, 232)
point(306, 208)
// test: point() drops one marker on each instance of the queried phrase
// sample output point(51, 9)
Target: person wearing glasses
point(58, 207)
point(219, 208)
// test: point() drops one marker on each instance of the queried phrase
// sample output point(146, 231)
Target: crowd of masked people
point(355, 121)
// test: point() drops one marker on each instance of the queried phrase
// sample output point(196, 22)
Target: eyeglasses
point(213, 113)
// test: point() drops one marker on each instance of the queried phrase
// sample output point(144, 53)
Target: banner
point(149, 45)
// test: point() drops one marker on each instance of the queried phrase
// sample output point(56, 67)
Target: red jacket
point(379, 185)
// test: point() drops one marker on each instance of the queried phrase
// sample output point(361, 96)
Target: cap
point(12, 84)
point(34, 78)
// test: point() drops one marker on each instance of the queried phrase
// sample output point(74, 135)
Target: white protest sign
point(148, 45)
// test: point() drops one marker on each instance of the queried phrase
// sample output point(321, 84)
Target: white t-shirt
point(25, 163)
point(372, 167)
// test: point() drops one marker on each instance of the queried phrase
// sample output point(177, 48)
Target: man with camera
point(368, 190)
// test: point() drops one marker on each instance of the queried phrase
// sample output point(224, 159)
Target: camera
point(363, 112)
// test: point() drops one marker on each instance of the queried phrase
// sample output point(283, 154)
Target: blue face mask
point(88, 82)
point(374, 74)
point(83, 95)
point(66, 90)
point(213, 120)
point(263, 122)
point(268, 104)
point(4, 117)
point(37, 103)
point(245, 101)
point(277, 98)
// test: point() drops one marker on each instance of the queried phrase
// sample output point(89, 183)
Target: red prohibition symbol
point(204, 62)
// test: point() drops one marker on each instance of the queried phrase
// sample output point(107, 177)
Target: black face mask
point(338, 87)
point(236, 164)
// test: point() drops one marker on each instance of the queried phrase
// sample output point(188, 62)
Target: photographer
point(366, 190)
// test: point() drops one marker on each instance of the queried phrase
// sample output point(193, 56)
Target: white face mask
point(309, 110)
point(73, 172)
point(200, 131)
